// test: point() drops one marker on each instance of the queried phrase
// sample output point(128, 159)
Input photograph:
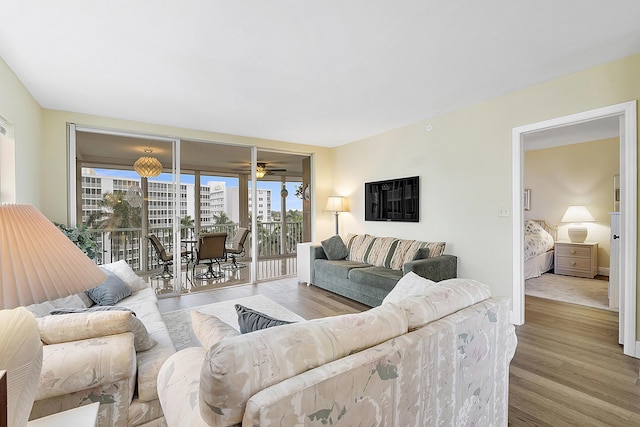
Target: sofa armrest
point(316, 252)
point(82, 326)
point(79, 365)
point(438, 268)
point(179, 387)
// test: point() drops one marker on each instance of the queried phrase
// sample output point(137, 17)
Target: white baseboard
point(637, 355)
point(603, 271)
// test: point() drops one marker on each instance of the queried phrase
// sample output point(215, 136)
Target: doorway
point(628, 177)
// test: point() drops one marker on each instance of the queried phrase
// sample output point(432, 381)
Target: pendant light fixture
point(147, 166)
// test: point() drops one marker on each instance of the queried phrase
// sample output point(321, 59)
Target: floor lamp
point(38, 263)
point(337, 204)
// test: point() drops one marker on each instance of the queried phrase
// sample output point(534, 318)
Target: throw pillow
point(141, 339)
point(67, 310)
point(210, 329)
point(126, 274)
point(409, 285)
point(110, 291)
point(334, 248)
point(250, 320)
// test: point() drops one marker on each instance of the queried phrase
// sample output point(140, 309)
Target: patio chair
point(165, 258)
point(236, 248)
point(210, 249)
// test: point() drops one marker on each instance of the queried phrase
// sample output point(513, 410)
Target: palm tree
point(186, 224)
point(115, 212)
point(222, 218)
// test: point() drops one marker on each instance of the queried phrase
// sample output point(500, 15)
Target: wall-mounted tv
point(392, 200)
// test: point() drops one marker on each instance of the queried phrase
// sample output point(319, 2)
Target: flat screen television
point(392, 200)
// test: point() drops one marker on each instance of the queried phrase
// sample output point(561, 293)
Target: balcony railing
point(126, 243)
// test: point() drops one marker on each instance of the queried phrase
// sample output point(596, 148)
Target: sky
point(293, 203)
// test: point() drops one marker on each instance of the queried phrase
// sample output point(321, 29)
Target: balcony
point(276, 252)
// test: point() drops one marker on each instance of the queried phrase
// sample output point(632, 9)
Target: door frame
point(628, 210)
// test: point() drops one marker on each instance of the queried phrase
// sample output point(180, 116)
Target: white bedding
point(536, 240)
point(538, 250)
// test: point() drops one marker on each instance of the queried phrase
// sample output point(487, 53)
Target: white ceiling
point(322, 72)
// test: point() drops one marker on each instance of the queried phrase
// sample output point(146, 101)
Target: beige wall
point(465, 166)
point(17, 104)
point(576, 174)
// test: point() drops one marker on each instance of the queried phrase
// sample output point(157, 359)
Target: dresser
point(576, 259)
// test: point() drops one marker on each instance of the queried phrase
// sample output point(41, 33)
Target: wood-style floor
point(568, 369)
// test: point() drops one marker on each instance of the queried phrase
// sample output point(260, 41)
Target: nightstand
point(576, 259)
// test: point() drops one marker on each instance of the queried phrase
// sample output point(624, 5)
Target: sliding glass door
point(141, 215)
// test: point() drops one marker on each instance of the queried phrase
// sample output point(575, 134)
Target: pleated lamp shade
point(37, 261)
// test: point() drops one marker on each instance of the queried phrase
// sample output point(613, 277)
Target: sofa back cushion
point(381, 251)
point(389, 252)
point(441, 299)
point(238, 367)
point(358, 246)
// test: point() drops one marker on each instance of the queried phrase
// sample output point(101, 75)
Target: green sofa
point(374, 265)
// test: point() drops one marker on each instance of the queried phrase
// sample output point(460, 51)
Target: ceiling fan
point(262, 169)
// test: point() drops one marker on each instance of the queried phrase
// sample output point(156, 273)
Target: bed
point(539, 238)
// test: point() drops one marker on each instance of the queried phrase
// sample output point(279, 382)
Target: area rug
point(179, 321)
point(574, 290)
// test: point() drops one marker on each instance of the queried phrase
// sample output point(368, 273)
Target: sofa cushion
point(381, 251)
point(339, 268)
point(411, 284)
point(446, 297)
point(407, 250)
point(431, 250)
point(334, 248)
point(359, 247)
point(251, 320)
point(109, 292)
point(236, 368)
point(210, 329)
point(145, 304)
point(379, 277)
point(126, 274)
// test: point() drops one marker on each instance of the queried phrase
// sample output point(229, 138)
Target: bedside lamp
point(337, 204)
point(576, 215)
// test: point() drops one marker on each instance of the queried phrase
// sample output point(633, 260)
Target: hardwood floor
point(568, 368)
point(309, 302)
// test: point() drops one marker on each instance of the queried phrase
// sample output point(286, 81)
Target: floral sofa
point(430, 354)
point(365, 268)
point(104, 356)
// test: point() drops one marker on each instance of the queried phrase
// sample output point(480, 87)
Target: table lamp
point(38, 263)
point(576, 215)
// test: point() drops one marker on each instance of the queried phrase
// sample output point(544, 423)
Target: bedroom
point(573, 166)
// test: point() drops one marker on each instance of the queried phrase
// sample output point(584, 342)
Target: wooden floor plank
point(570, 370)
